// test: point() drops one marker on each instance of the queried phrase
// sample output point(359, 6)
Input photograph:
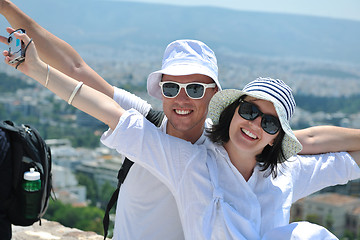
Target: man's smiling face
point(186, 116)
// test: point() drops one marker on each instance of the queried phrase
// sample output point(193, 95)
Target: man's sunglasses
point(194, 90)
point(250, 111)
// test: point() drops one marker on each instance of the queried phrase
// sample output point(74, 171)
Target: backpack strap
point(155, 117)
point(8, 125)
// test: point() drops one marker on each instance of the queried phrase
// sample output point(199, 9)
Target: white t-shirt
point(214, 200)
point(146, 209)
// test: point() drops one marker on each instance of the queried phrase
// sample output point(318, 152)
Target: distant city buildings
point(101, 165)
point(304, 118)
point(337, 208)
point(66, 187)
point(102, 170)
point(338, 213)
point(352, 188)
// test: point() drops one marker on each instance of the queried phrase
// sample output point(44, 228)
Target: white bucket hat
point(275, 91)
point(184, 57)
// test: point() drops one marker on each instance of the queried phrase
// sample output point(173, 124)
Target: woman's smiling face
point(248, 135)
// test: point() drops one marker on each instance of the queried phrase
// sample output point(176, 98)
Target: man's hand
point(4, 39)
point(322, 139)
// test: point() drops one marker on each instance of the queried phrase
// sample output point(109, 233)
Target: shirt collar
point(201, 139)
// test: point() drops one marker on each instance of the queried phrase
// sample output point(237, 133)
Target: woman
point(268, 136)
point(219, 188)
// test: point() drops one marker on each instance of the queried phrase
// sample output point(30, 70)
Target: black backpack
point(155, 117)
point(26, 150)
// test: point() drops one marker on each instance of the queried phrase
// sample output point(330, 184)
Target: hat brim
point(154, 78)
point(290, 145)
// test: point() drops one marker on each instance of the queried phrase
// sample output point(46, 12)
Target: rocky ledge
point(51, 231)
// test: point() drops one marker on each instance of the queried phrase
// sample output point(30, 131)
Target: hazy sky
point(347, 9)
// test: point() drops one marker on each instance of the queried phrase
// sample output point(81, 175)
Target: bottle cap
point(32, 175)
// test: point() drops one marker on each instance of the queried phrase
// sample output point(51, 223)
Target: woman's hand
point(28, 66)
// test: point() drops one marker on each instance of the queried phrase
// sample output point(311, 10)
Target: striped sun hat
point(275, 91)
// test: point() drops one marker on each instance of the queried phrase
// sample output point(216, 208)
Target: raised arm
point(86, 98)
point(322, 139)
point(52, 50)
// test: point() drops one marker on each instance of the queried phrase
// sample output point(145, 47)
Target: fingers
point(10, 30)
point(28, 43)
point(6, 53)
point(4, 40)
point(22, 36)
point(7, 58)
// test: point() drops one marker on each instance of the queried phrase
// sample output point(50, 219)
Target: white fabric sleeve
point(164, 156)
point(299, 230)
point(128, 100)
point(311, 173)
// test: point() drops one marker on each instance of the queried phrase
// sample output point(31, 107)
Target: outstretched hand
point(31, 56)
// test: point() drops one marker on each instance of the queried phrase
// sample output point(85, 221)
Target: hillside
point(110, 25)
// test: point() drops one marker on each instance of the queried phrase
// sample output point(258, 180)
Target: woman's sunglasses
point(250, 111)
point(194, 90)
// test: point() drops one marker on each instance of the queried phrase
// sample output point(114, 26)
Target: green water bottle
point(31, 186)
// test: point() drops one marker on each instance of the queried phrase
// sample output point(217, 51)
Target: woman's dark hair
point(267, 159)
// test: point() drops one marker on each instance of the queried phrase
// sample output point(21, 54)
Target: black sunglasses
point(250, 111)
point(194, 90)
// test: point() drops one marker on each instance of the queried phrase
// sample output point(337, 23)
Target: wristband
point(47, 76)
point(78, 86)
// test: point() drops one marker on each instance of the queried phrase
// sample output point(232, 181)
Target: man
point(146, 209)
point(145, 202)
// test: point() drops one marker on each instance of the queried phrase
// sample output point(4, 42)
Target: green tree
point(9, 84)
point(105, 194)
point(91, 187)
point(348, 235)
point(95, 214)
point(313, 218)
point(83, 218)
point(329, 222)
